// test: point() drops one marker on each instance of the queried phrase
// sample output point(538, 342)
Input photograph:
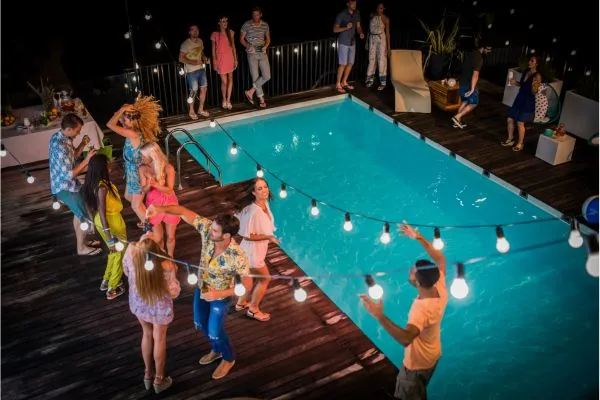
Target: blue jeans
point(209, 317)
point(196, 79)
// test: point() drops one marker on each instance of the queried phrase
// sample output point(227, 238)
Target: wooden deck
point(62, 339)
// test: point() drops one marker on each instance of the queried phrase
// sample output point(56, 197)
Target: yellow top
point(113, 201)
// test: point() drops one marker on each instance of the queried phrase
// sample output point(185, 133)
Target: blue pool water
point(529, 327)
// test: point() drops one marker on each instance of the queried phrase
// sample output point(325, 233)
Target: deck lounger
point(410, 87)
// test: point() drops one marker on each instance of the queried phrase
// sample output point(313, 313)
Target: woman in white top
point(256, 228)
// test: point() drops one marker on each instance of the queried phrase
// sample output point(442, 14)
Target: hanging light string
point(347, 214)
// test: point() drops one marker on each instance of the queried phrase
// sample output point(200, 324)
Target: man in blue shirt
point(63, 175)
point(347, 23)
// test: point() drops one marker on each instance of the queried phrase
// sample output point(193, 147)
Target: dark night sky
point(92, 32)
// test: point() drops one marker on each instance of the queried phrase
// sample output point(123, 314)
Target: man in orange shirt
point(421, 337)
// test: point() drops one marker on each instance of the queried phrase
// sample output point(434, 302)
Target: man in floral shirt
point(63, 175)
point(220, 260)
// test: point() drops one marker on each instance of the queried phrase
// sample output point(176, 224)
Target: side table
point(443, 96)
point(555, 151)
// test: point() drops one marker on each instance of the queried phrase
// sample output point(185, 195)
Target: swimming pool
point(529, 327)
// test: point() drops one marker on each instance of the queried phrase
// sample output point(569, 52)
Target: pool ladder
point(209, 159)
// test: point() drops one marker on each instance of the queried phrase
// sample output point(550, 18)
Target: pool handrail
point(209, 159)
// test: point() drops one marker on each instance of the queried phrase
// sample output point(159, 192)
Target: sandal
point(508, 142)
point(262, 105)
point(349, 87)
point(93, 243)
point(248, 97)
point(258, 315)
point(193, 116)
point(340, 89)
point(241, 307)
point(91, 252)
point(381, 87)
point(518, 147)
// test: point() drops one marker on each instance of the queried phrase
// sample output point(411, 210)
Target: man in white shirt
point(191, 55)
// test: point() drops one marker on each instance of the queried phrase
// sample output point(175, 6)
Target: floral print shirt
point(218, 273)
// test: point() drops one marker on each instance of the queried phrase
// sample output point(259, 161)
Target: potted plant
point(580, 109)
point(439, 46)
point(546, 71)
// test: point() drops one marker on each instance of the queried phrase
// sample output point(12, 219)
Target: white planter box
point(510, 92)
point(580, 115)
point(555, 150)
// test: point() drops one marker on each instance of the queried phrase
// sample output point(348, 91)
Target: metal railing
point(209, 159)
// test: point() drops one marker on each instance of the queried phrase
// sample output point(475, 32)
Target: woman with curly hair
point(137, 123)
point(157, 180)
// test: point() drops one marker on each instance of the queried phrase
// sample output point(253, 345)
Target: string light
point(181, 71)
point(530, 26)
point(155, 70)
point(158, 45)
point(148, 265)
point(277, 53)
point(554, 40)
point(134, 78)
point(296, 50)
point(55, 203)
point(283, 191)
point(30, 178)
point(127, 35)
point(239, 289)
point(459, 288)
point(299, 293)
point(314, 210)
point(212, 123)
point(347, 222)
point(375, 290)
point(507, 42)
point(234, 149)
point(502, 244)
point(591, 265)
point(190, 99)
point(259, 171)
point(575, 239)
point(385, 237)
point(148, 16)
point(192, 277)
point(126, 85)
point(334, 45)
point(2, 151)
point(316, 48)
point(512, 11)
point(438, 243)
point(119, 246)
point(84, 226)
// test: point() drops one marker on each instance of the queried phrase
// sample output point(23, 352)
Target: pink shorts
point(158, 198)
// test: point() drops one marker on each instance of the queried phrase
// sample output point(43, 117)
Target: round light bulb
point(591, 266)
point(149, 265)
point(314, 211)
point(376, 292)
point(212, 124)
point(348, 226)
point(192, 279)
point(300, 295)
point(233, 151)
point(56, 205)
point(260, 173)
point(239, 290)
point(119, 246)
point(2, 153)
point(126, 86)
point(385, 238)
point(507, 43)
point(155, 70)
point(438, 244)
point(575, 239)
point(30, 179)
point(277, 53)
point(502, 245)
point(316, 48)
point(127, 35)
point(296, 50)
point(134, 79)
point(190, 100)
point(84, 226)
point(512, 10)
point(158, 45)
point(459, 288)
point(181, 71)
point(283, 193)
point(489, 26)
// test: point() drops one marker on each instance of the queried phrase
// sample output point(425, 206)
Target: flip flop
point(193, 116)
point(92, 252)
point(258, 315)
point(241, 307)
point(349, 87)
point(340, 89)
point(248, 97)
point(93, 243)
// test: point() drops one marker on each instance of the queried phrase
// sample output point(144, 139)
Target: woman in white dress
point(257, 226)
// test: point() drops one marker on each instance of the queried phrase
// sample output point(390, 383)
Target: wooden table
point(443, 96)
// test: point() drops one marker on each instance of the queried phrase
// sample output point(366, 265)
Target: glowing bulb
point(148, 265)
point(147, 17)
point(548, 59)
point(212, 124)
point(126, 86)
point(375, 290)
point(158, 45)
point(277, 53)
point(475, 3)
point(296, 50)
point(190, 100)
point(119, 246)
point(588, 73)
point(283, 191)
point(512, 10)
point(532, 51)
point(333, 45)
point(591, 266)
point(181, 71)
point(3, 151)
point(554, 40)
point(347, 223)
point(134, 79)
point(316, 48)
point(239, 289)
point(574, 52)
point(530, 26)
point(438, 243)
point(192, 279)
point(56, 205)
point(385, 237)
point(30, 179)
point(155, 70)
point(489, 26)
point(136, 89)
point(300, 295)
point(507, 42)
point(502, 244)
point(575, 239)
point(137, 66)
point(234, 149)
point(314, 210)
point(84, 226)
point(127, 35)
point(459, 288)
point(259, 172)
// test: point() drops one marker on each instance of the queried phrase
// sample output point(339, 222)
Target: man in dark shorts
point(63, 175)
point(469, 77)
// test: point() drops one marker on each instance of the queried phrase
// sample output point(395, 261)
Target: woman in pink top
point(151, 294)
point(224, 59)
point(157, 178)
point(256, 228)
